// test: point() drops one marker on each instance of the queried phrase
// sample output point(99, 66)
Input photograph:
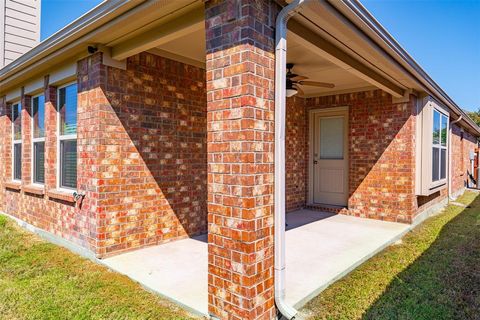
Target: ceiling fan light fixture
point(291, 92)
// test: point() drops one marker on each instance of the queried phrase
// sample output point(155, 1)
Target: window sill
point(34, 189)
point(13, 185)
point(61, 195)
point(437, 185)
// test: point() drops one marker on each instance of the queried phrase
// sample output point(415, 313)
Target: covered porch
point(320, 249)
point(342, 121)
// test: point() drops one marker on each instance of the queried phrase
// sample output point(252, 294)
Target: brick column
point(26, 139)
point(50, 94)
point(3, 160)
point(6, 130)
point(240, 108)
point(91, 144)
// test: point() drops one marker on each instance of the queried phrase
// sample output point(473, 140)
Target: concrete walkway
point(321, 248)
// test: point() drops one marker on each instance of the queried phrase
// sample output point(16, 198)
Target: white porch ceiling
point(316, 68)
point(191, 49)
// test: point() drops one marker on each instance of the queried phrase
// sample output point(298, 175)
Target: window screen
point(39, 163)
point(68, 155)
point(17, 161)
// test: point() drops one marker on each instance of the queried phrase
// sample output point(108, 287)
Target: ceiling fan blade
point(298, 78)
point(318, 84)
point(299, 89)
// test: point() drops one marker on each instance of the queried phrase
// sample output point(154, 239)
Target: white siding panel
point(20, 48)
point(30, 3)
point(22, 7)
point(18, 15)
point(10, 55)
point(19, 28)
point(9, 38)
point(21, 33)
point(19, 23)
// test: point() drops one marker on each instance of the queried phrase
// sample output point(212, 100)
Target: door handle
point(315, 161)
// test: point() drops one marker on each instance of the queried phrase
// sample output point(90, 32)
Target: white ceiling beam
point(317, 44)
point(174, 29)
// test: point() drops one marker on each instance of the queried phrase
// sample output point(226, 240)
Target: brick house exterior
point(168, 149)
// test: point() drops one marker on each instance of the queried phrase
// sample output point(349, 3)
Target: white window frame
point(61, 138)
point(424, 184)
point(35, 140)
point(440, 181)
point(18, 141)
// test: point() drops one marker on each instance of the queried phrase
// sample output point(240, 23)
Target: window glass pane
point(68, 109)
point(436, 127)
point(435, 164)
point(331, 138)
point(443, 163)
point(38, 117)
point(17, 161)
point(68, 149)
point(39, 162)
point(17, 121)
point(444, 131)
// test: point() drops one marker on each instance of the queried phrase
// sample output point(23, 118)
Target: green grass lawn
point(39, 280)
point(433, 274)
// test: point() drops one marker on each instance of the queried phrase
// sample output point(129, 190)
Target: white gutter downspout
point(450, 197)
point(286, 13)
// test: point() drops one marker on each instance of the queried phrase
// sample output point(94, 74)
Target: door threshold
point(327, 208)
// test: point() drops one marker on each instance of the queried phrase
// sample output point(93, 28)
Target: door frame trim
point(311, 119)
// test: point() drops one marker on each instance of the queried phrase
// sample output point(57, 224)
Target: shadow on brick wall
point(152, 134)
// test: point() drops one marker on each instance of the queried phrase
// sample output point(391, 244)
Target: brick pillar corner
point(3, 127)
point(240, 109)
point(50, 94)
point(91, 141)
point(26, 102)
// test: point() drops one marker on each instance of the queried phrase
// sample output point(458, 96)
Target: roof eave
point(102, 13)
point(366, 22)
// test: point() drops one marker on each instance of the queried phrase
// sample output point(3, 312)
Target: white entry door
point(330, 157)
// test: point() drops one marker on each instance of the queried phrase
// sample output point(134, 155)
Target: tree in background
point(475, 115)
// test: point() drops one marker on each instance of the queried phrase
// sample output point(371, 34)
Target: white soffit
point(34, 87)
point(317, 16)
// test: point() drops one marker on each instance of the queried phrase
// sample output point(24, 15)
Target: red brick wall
point(240, 93)
point(381, 153)
point(148, 128)
point(381, 156)
point(141, 157)
point(462, 143)
point(296, 153)
point(3, 166)
point(35, 206)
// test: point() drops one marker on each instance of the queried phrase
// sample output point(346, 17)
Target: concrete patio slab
point(176, 270)
point(320, 249)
